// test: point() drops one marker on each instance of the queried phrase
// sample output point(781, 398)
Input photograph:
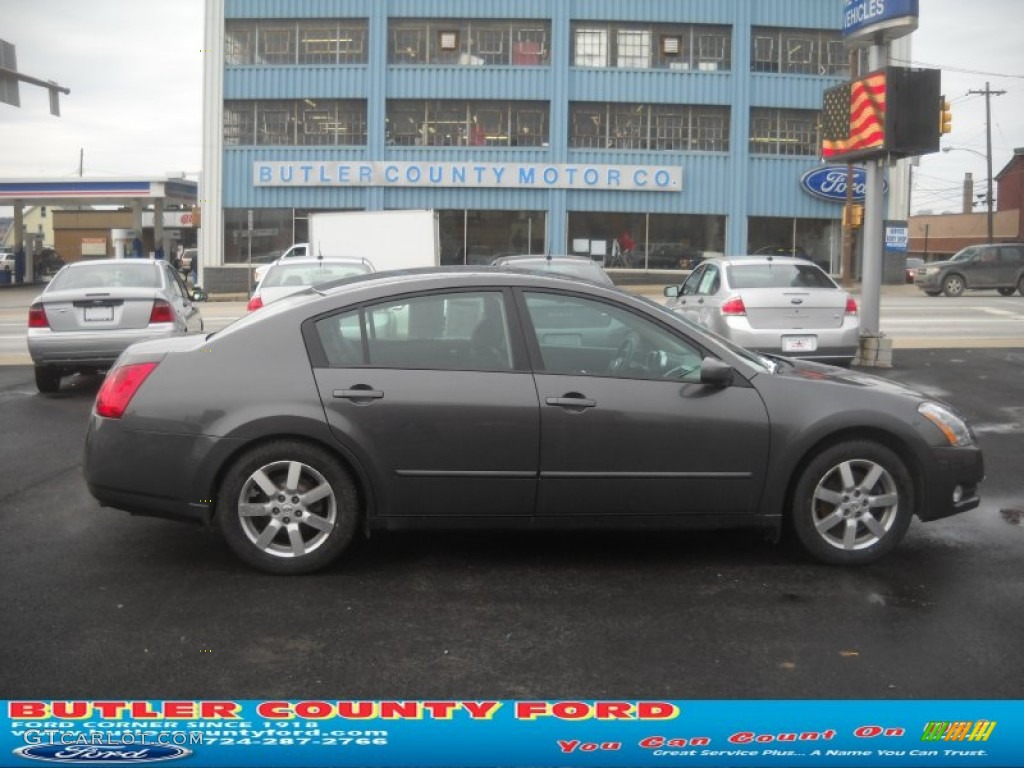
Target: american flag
point(854, 119)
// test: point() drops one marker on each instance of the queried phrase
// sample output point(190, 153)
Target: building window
point(660, 241)
point(280, 42)
point(655, 46)
point(799, 52)
point(456, 123)
point(784, 132)
point(468, 42)
point(646, 126)
point(301, 122)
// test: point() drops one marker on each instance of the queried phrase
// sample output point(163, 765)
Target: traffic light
point(853, 216)
point(945, 116)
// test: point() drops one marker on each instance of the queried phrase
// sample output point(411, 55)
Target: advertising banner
point(496, 733)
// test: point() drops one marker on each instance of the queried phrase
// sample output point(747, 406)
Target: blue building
point(530, 125)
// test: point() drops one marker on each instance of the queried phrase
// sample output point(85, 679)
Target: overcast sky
point(135, 73)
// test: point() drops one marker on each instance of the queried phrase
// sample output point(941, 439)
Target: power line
point(957, 69)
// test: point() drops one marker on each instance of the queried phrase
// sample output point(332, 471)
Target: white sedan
point(284, 278)
point(778, 305)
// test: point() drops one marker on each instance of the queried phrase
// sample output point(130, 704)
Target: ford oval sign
point(828, 182)
point(123, 754)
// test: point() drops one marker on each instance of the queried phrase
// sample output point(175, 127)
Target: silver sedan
point(770, 304)
point(93, 310)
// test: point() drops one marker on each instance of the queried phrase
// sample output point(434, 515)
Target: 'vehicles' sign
point(866, 20)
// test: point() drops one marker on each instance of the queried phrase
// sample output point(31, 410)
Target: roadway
point(911, 319)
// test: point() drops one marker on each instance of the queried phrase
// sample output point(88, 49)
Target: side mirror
point(715, 373)
point(198, 294)
point(671, 291)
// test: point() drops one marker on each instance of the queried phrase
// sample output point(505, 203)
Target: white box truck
point(388, 239)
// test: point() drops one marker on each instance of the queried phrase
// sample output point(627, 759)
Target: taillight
point(162, 312)
point(851, 306)
point(733, 306)
point(37, 317)
point(254, 303)
point(120, 387)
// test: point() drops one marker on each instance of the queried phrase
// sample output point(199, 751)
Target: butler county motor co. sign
point(632, 178)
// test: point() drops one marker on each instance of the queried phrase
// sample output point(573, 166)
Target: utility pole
point(988, 93)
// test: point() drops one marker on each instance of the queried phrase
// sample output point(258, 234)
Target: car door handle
point(358, 392)
point(571, 400)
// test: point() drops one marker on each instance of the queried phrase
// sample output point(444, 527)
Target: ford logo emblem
point(828, 182)
point(59, 753)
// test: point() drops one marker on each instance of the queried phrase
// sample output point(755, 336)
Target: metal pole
point(874, 201)
point(988, 153)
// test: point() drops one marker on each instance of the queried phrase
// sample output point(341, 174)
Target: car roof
point(542, 257)
point(298, 261)
point(757, 259)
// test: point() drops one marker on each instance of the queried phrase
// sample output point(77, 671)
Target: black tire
point(1006, 291)
point(276, 525)
point(953, 286)
point(48, 379)
point(1020, 286)
point(852, 504)
point(932, 293)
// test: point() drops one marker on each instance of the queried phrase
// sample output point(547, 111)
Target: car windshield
point(295, 275)
point(117, 273)
point(777, 275)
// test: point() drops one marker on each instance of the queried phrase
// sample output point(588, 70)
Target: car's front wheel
point(953, 286)
point(48, 379)
point(853, 503)
point(288, 507)
point(1006, 291)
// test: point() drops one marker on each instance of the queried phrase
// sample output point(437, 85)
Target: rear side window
point(456, 331)
point(1012, 254)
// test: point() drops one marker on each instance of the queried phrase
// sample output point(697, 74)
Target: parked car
point(913, 264)
point(575, 266)
point(998, 265)
point(284, 278)
point(503, 399)
point(297, 251)
point(91, 311)
point(784, 306)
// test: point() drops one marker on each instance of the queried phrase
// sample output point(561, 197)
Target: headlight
point(932, 270)
point(953, 427)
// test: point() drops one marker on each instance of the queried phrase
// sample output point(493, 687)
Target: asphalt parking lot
point(98, 603)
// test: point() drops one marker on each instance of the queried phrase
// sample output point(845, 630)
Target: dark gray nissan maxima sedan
point(480, 397)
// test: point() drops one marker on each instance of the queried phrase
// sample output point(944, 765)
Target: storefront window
point(646, 241)
point(479, 237)
point(819, 240)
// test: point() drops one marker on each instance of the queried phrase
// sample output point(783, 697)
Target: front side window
point(577, 336)
point(453, 331)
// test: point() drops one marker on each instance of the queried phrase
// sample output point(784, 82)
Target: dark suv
point(999, 266)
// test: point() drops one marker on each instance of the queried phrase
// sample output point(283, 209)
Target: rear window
point(114, 274)
point(310, 274)
point(778, 275)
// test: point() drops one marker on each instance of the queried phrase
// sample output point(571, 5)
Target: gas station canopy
point(79, 191)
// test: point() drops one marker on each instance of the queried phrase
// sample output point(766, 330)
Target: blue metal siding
point(735, 185)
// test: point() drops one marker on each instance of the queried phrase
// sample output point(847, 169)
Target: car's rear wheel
point(288, 507)
point(1006, 291)
point(48, 379)
point(853, 503)
point(953, 286)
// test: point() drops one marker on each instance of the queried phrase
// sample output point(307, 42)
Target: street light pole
point(988, 162)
